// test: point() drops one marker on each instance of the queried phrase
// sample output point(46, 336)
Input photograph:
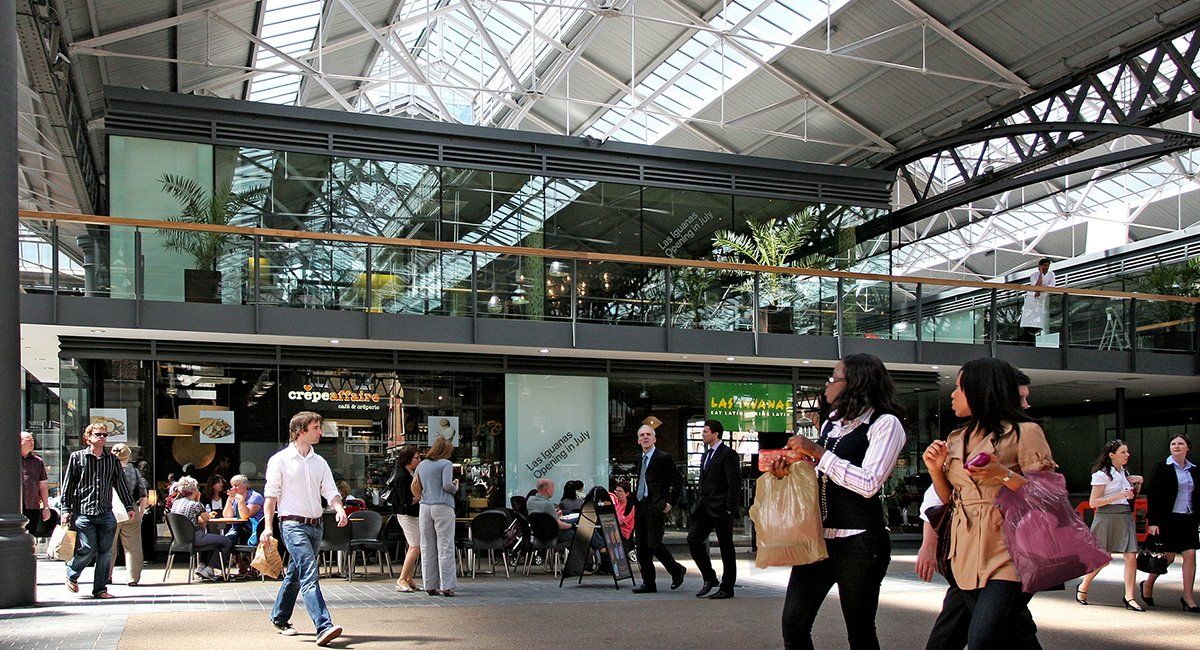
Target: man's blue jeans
point(302, 542)
point(94, 538)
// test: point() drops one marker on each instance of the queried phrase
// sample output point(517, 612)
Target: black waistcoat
point(846, 508)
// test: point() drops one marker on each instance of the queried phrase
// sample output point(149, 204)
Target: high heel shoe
point(1149, 600)
point(1132, 604)
point(1187, 607)
point(1081, 597)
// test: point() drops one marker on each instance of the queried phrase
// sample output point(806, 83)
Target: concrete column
point(18, 582)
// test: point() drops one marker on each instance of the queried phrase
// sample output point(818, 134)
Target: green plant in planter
point(692, 286)
point(773, 242)
point(1173, 279)
point(196, 205)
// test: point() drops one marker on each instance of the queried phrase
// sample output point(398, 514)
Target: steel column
point(16, 546)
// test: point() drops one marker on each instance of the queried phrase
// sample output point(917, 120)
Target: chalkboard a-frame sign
point(598, 517)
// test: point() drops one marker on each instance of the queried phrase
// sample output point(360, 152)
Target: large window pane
point(681, 223)
point(602, 217)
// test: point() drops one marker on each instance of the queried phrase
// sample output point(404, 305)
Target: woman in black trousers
point(855, 455)
point(1173, 499)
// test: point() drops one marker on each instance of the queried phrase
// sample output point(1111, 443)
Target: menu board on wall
point(744, 406)
point(559, 430)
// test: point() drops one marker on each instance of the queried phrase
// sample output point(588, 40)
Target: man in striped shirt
point(91, 475)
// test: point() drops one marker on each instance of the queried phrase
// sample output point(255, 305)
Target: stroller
point(517, 537)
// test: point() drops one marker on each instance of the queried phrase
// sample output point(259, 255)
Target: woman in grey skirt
point(1113, 490)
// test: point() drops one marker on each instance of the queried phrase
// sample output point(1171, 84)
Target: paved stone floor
point(533, 611)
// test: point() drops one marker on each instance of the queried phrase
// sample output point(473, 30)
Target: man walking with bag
point(297, 478)
point(91, 475)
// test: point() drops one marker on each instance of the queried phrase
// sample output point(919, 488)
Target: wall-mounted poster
point(563, 425)
point(216, 427)
point(117, 421)
point(443, 426)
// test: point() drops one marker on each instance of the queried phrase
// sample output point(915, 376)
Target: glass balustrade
point(174, 265)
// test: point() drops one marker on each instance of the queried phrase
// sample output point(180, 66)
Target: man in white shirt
point(1035, 309)
point(297, 478)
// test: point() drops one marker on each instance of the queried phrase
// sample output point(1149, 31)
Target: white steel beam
point(402, 55)
point(156, 25)
point(787, 77)
point(965, 45)
point(312, 72)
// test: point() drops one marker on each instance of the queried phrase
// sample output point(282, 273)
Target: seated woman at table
point(187, 503)
point(245, 504)
point(214, 493)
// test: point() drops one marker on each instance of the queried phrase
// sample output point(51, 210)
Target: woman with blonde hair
point(129, 533)
point(435, 486)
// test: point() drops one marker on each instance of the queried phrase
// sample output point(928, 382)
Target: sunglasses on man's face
point(100, 434)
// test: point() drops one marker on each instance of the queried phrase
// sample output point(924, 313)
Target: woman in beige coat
point(1008, 444)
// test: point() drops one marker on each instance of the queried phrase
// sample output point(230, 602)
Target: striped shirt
point(89, 481)
point(886, 438)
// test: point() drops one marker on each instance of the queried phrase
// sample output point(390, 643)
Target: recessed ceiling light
point(684, 356)
point(806, 362)
point(731, 358)
point(545, 350)
point(96, 331)
point(335, 341)
point(1145, 394)
point(1087, 399)
point(935, 367)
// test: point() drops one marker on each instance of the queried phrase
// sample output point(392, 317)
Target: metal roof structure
point(852, 82)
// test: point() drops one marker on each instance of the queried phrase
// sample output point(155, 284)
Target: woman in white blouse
point(1113, 490)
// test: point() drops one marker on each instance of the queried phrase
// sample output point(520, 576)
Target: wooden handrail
point(579, 255)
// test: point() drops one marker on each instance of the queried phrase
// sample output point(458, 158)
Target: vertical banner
point(557, 428)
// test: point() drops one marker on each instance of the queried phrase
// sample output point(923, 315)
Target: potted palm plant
point(202, 282)
point(1164, 322)
point(774, 242)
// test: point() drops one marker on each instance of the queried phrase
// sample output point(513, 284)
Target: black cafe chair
point(335, 540)
point(365, 529)
point(183, 540)
point(487, 534)
point(543, 529)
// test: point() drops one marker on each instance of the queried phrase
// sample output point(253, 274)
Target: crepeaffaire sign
point(743, 406)
point(315, 398)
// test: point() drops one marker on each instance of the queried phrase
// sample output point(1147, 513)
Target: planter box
point(201, 285)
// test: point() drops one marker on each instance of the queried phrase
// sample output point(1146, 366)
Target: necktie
point(642, 488)
point(704, 461)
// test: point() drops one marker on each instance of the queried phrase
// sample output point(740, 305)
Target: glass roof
point(291, 27)
point(1116, 199)
point(704, 67)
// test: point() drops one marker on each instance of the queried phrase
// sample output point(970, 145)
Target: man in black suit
point(658, 489)
point(716, 507)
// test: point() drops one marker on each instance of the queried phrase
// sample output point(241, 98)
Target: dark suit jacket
point(721, 484)
point(664, 483)
point(1161, 491)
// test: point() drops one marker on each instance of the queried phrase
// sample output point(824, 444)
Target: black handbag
point(1151, 558)
point(939, 520)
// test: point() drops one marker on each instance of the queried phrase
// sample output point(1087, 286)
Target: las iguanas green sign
point(749, 406)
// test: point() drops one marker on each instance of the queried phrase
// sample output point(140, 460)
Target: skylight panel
point(291, 27)
point(696, 74)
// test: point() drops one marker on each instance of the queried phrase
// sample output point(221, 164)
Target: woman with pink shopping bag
point(998, 444)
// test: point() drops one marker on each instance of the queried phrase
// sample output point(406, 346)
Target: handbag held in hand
point(787, 519)
point(1151, 558)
